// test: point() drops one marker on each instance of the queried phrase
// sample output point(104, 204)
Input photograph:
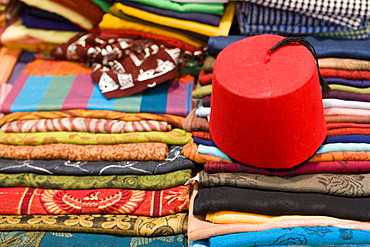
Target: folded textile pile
point(319, 202)
point(338, 19)
point(39, 26)
point(192, 23)
point(73, 161)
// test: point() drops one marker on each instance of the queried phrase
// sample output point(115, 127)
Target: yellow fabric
point(231, 217)
point(111, 22)
point(16, 31)
point(61, 10)
point(222, 30)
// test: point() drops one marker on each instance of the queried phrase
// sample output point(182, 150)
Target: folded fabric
point(206, 7)
point(8, 60)
point(190, 151)
point(29, 201)
point(173, 162)
point(324, 47)
point(40, 19)
point(208, 30)
point(346, 74)
point(74, 239)
point(284, 21)
point(85, 14)
point(340, 156)
point(174, 136)
point(345, 103)
point(194, 123)
point(346, 125)
point(91, 125)
point(348, 185)
point(353, 83)
point(345, 88)
point(121, 224)
point(212, 150)
point(343, 147)
point(343, 63)
point(119, 21)
point(57, 85)
point(279, 203)
point(332, 166)
point(202, 135)
point(213, 20)
point(198, 228)
point(352, 16)
point(202, 91)
point(346, 111)
point(5, 88)
point(203, 142)
point(64, 182)
point(73, 152)
point(175, 121)
point(300, 236)
point(345, 95)
point(347, 119)
point(205, 78)
point(348, 131)
point(347, 139)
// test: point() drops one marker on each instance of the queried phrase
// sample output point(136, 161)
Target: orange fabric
point(8, 59)
point(348, 131)
point(190, 151)
point(202, 135)
point(341, 156)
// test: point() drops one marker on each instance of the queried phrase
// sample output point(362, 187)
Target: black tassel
point(301, 40)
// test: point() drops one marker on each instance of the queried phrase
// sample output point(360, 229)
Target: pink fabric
point(346, 111)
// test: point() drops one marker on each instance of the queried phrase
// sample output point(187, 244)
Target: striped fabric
point(91, 125)
point(48, 91)
point(257, 19)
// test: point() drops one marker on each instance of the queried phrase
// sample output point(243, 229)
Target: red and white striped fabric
point(92, 125)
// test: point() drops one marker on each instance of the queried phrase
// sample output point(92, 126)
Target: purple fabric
point(207, 19)
point(206, 101)
point(346, 96)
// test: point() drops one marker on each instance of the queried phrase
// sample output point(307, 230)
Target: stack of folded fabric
point(347, 20)
point(40, 26)
point(74, 161)
point(318, 202)
point(190, 22)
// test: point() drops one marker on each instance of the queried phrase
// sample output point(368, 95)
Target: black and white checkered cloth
point(349, 13)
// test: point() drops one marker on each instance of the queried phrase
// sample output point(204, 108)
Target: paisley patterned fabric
point(118, 152)
point(78, 239)
point(132, 182)
point(91, 125)
point(173, 162)
point(174, 136)
point(121, 224)
point(175, 121)
point(351, 185)
point(190, 151)
point(28, 201)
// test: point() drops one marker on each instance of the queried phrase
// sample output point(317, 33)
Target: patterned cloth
point(121, 224)
point(30, 201)
point(174, 161)
point(76, 239)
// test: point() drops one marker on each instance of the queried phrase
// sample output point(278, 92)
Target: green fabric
point(207, 8)
point(336, 87)
point(103, 5)
point(174, 136)
point(134, 182)
point(200, 91)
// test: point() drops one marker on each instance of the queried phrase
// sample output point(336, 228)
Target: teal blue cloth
point(215, 151)
point(73, 239)
point(343, 147)
point(301, 236)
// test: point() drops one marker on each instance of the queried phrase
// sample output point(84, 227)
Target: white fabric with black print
point(350, 13)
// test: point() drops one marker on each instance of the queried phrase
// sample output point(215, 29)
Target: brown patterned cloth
point(119, 152)
point(122, 224)
point(348, 119)
point(91, 125)
point(175, 121)
point(350, 185)
point(341, 156)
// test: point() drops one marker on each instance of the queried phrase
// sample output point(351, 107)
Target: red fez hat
point(266, 103)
